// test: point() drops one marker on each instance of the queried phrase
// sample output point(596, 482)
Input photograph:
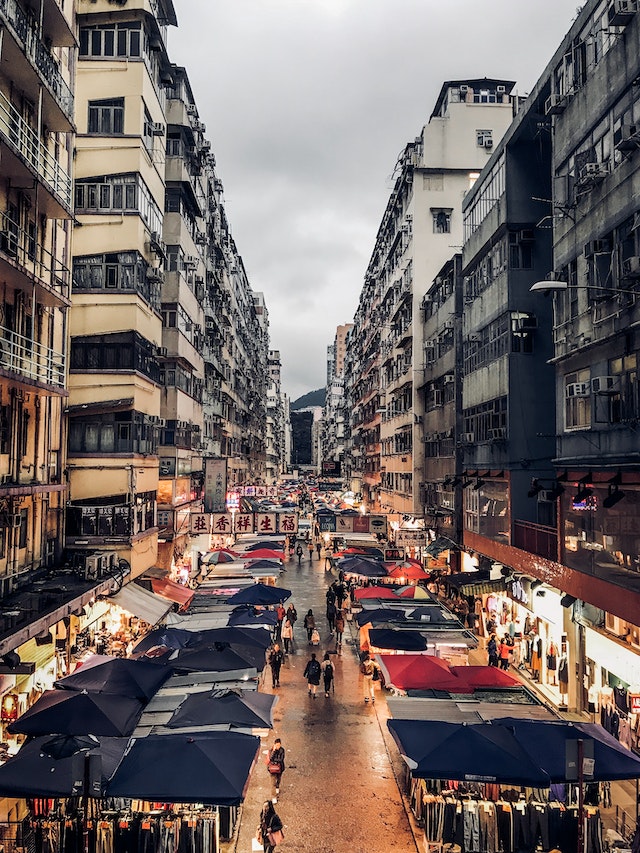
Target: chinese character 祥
point(244, 523)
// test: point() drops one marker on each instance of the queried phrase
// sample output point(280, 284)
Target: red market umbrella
point(263, 553)
point(416, 672)
point(409, 571)
point(215, 557)
point(482, 677)
point(374, 592)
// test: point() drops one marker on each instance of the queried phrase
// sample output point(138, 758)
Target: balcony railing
point(24, 249)
point(536, 539)
point(31, 359)
point(24, 141)
point(27, 35)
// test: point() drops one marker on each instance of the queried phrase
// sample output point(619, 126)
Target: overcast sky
point(308, 104)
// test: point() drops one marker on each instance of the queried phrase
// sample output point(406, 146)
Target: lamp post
point(554, 285)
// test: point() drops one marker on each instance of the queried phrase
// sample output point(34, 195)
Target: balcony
point(21, 252)
point(31, 360)
point(536, 539)
point(28, 156)
point(58, 106)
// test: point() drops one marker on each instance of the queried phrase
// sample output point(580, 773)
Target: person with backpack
point(331, 615)
point(369, 670)
point(312, 673)
point(309, 624)
point(327, 674)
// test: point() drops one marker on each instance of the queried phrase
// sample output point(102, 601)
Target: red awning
point(424, 672)
point(182, 595)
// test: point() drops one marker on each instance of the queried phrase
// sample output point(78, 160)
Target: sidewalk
point(339, 792)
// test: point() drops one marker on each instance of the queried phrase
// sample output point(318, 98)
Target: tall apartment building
point(333, 426)
point(36, 148)
point(421, 222)
point(275, 436)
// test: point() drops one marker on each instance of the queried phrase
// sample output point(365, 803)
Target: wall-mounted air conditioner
point(157, 128)
point(605, 384)
point(92, 566)
point(555, 104)
point(631, 267)
point(578, 389)
point(620, 12)
point(449, 378)
point(627, 137)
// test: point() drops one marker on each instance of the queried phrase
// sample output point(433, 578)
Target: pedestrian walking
point(270, 828)
point(339, 628)
point(292, 615)
point(287, 635)
point(291, 548)
point(319, 548)
point(280, 613)
point(369, 670)
point(340, 591)
point(309, 624)
point(276, 659)
point(331, 615)
point(492, 650)
point(327, 674)
point(312, 673)
point(311, 548)
point(327, 558)
point(504, 651)
point(275, 763)
point(299, 553)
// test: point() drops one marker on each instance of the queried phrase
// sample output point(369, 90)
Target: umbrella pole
point(85, 803)
point(580, 841)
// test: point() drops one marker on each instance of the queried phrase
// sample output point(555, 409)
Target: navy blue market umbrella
point(33, 772)
point(252, 655)
point(171, 638)
point(483, 753)
point(211, 659)
point(276, 545)
point(79, 713)
point(242, 636)
point(248, 617)
point(211, 767)
point(407, 641)
point(236, 708)
point(260, 594)
point(135, 679)
point(366, 567)
point(380, 614)
point(264, 563)
point(545, 741)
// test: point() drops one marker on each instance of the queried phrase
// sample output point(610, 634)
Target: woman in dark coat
point(269, 822)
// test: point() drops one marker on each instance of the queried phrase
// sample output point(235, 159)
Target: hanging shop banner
point(519, 589)
point(222, 523)
point(288, 522)
point(634, 703)
point(215, 485)
point(199, 523)
point(344, 523)
point(377, 524)
point(257, 491)
point(265, 522)
point(245, 522)
point(327, 523)
point(407, 538)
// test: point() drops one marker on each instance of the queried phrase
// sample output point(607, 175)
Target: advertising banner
point(245, 522)
point(265, 522)
point(411, 537)
point(222, 523)
point(288, 522)
point(215, 485)
point(199, 523)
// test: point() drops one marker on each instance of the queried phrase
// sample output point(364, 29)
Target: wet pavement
point(340, 790)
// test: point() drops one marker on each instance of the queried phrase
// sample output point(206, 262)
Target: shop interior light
point(615, 496)
point(556, 490)
point(455, 482)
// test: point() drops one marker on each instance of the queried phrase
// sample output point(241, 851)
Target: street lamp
point(555, 285)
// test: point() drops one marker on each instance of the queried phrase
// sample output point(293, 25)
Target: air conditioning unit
point(527, 323)
point(201, 237)
point(597, 247)
point(92, 566)
point(605, 384)
point(592, 172)
point(449, 378)
point(162, 423)
point(209, 324)
point(205, 147)
point(192, 110)
point(487, 142)
point(555, 104)
point(469, 437)
point(463, 89)
point(496, 434)
point(190, 261)
point(631, 267)
point(578, 389)
point(156, 238)
point(627, 137)
point(162, 352)
point(501, 90)
point(620, 12)
point(155, 275)
point(547, 496)
point(108, 560)
point(200, 127)
point(615, 625)
point(157, 128)
point(527, 235)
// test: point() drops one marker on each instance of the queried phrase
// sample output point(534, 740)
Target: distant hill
point(313, 398)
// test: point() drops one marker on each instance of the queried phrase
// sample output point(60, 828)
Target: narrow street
point(339, 791)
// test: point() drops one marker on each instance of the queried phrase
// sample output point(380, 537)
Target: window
point(110, 41)
point(106, 117)
point(441, 220)
point(578, 399)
